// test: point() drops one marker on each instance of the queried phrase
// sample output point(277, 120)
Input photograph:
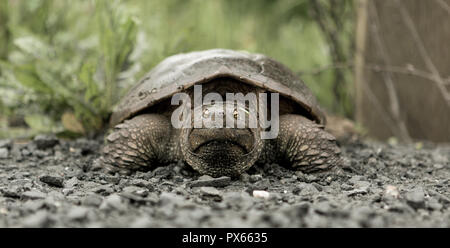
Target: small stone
point(11, 191)
point(103, 190)
point(211, 191)
point(261, 194)
point(92, 200)
point(168, 199)
point(244, 177)
point(39, 219)
point(214, 182)
point(113, 202)
point(135, 191)
point(255, 178)
point(34, 194)
point(372, 161)
point(361, 184)
point(33, 206)
point(358, 191)
point(77, 213)
point(306, 189)
point(6, 143)
point(241, 199)
point(3, 211)
point(355, 179)
point(323, 207)
point(346, 187)
point(25, 152)
point(45, 141)
point(141, 222)
point(434, 204)
point(205, 177)
point(416, 198)
point(53, 180)
point(4, 153)
point(391, 191)
point(67, 191)
point(72, 182)
point(309, 178)
point(142, 183)
point(438, 166)
point(263, 184)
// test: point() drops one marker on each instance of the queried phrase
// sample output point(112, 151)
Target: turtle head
point(222, 140)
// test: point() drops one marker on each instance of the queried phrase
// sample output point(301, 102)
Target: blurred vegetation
point(64, 64)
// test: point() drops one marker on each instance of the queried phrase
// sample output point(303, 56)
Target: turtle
point(143, 134)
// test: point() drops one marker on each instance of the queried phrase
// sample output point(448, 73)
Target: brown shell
point(181, 71)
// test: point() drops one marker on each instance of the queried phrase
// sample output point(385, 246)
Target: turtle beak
point(218, 149)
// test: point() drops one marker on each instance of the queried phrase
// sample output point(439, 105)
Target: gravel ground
point(55, 183)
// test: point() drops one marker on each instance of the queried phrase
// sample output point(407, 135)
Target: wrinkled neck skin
point(217, 148)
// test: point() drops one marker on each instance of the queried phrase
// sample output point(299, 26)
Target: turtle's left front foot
point(306, 146)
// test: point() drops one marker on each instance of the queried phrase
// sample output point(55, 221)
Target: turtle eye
point(205, 113)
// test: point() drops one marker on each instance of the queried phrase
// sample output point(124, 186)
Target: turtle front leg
point(305, 146)
point(139, 143)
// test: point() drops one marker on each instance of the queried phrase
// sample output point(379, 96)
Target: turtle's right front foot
point(137, 144)
point(306, 146)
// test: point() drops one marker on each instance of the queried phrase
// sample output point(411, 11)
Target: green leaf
point(27, 76)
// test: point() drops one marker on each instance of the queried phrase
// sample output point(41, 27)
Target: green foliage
point(68, 67)
point(80, 57)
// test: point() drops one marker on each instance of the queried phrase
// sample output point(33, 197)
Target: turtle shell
point(179, 72)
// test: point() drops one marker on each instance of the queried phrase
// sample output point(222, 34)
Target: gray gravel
point(55, 183)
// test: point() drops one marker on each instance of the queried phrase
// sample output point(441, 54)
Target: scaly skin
point(148, 140)
point(303, 145)
point(141, 143)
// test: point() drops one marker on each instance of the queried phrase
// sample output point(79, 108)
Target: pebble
point(103, 190)
point(11, 191)
point(142, 183)
point(438, 166)
point(113, 202)
point(4, 153)
point(416, 198)
point(36, 220)
point(263, 184)
point(136, 191)
point(34, 194)
point(67, 191)
point(307, 189)
point(255, 178)
point(261, 194)
point(92, 200)
point(239, 199)
point(434, 204)
point(6, 143)
point(55, 181)
point(167, 198)
point(391, 191)
point(33, 206)
point(45, 141)
point(72, 182)
point(77, 213)
point(210, 191)
point(359, 191)
point(213, 182)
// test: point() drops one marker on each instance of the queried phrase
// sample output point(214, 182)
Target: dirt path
point(54, 183)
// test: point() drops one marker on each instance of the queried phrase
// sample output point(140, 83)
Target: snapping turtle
point(144, 133)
